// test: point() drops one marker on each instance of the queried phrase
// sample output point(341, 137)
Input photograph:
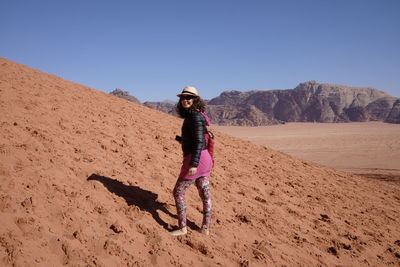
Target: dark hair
point(198, 105)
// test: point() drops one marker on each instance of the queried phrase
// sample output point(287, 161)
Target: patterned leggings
point(203, 185)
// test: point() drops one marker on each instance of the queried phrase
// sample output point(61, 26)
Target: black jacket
point(193, 141)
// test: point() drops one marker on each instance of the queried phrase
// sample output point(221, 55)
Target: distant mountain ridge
point(308, 102)
point(166, 106)
point(125, 95)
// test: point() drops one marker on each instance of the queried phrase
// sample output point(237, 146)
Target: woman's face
point(186, 101)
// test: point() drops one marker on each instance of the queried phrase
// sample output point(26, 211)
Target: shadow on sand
point(145, 200)
point(387, 177)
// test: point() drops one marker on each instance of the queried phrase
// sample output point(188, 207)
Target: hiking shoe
point(182, 231)
point(205, 231)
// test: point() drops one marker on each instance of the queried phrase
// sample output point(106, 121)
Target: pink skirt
point(204, 168)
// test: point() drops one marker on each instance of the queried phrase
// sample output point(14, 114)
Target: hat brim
point(179, 95)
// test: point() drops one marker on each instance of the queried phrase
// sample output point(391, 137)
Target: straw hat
point(189, 90)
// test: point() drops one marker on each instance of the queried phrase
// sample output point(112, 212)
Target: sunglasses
point(187, 97)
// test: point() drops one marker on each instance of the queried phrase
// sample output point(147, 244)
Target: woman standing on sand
point(197, 161)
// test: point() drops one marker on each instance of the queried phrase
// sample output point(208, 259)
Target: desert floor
point(371, 149)
point(86, 179)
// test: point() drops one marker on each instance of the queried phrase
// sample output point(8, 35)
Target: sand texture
point(370, 149)
point(86, 180)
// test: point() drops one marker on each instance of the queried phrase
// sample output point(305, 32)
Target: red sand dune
point(86, 180)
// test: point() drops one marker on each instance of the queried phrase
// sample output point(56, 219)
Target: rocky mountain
point(312, 102)
point(394, 115)
point(241, 115)
point(86, 179)
point(166, 106)
point(308, 102)
point(125, 95)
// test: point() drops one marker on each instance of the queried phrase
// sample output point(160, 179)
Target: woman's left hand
point(192, 171)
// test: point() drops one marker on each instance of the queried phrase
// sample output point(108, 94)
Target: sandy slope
point(86, 180)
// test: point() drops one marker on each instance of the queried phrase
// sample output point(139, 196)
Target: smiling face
point(186, 101)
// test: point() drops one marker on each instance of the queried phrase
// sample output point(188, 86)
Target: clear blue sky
point(154, 48)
